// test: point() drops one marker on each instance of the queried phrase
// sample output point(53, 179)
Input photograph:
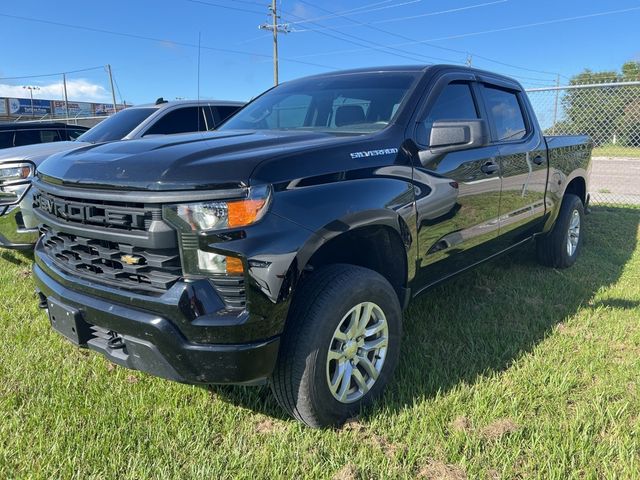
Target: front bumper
point(150, 342)
point(13, 233)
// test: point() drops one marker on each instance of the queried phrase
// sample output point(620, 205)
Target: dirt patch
point(268, 426)
point(353, 425)
point(388, 448)
point(437, 470)
point(132, 379)
point(24, 273)
point(348, 472)
point(499, 428)
point(493, 474)
point(461, 424)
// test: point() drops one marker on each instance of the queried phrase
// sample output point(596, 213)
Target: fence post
point(555, 106)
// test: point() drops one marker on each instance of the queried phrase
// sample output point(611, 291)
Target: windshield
point(116, 126)
point(356, 103)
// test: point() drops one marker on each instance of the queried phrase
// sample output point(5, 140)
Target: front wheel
point(561, 246)
point(340, 347)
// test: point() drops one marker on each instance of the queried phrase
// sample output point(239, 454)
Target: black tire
point(300, 380)
point(552, 248)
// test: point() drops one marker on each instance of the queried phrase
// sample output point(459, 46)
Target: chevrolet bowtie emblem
point(130, 259)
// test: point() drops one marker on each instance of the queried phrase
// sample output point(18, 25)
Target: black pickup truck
point(283, 247)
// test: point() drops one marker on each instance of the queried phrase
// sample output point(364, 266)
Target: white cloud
point(79, 90)
point(300, 11)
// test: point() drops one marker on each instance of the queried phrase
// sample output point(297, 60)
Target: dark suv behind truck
point(283, 247)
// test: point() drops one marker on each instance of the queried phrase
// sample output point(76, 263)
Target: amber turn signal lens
point(244, 212)
point(234, 266)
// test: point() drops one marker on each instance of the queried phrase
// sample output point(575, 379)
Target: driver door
point(458, 191)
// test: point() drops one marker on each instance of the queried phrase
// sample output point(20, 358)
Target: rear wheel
point(340, 347)
point(561, 246)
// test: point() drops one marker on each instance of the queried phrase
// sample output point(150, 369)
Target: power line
point(373, 45)
point(428, 14)
point(412, 41)
point(427, 42)
point(354, 11)
point(237, 9)
point(537, 24)
point(154, 39)
point(53, 74)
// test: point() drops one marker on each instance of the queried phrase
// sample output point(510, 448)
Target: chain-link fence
point(610, 114)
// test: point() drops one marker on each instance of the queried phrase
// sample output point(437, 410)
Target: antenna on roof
point(160, 101)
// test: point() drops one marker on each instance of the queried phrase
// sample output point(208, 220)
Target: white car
point(18, 164)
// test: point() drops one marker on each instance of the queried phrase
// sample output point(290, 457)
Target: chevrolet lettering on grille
point(91, 214)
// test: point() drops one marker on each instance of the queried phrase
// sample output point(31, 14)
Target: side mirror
point(454, 135)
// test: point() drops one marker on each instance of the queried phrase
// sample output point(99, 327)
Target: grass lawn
point(510, 371)
point(616, 151)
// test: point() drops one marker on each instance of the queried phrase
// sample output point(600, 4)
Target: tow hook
point(115, 342)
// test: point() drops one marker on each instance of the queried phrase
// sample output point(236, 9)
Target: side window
point(505, 113)
point(188, 119)
point(6, 139)
point(47, 136)
point(455, 102)
point(27, 137)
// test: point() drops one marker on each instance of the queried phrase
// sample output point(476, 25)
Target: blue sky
point(241, 67)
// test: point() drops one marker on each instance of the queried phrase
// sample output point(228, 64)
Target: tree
point(608, 114)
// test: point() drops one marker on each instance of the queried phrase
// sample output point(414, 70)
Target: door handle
point(490, 168)
point(539, 160)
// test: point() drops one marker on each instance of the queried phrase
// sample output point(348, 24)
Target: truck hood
point(208, 160)
point(38, 152)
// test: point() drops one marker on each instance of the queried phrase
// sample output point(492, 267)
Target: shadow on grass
point(17, 257)
point(484, 320)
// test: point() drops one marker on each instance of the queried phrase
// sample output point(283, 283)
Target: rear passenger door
point(522, 157)
point(457, 193)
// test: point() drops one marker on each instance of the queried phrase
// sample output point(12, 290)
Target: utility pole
point(66, 99)
point(276, 28)
point(113, 92)
point(469, 60)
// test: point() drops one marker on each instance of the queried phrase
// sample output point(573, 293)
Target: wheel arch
point(374, 239)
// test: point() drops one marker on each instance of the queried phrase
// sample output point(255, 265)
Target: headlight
point(217, 215)
point(15, 179)
point(15, 172)
point(192, 218)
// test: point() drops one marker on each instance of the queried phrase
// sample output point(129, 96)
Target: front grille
point(113, 263)
point(111, 215)
point(121, 244)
